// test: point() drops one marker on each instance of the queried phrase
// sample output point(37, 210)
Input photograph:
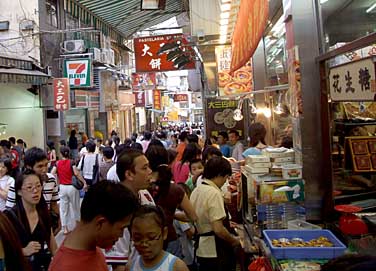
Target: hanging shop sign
point(295, 87)
point(78, 71)
point(143, 81)
point(180, 97)
point(354, 81)
point(146, 52)
point(249, 28)
point(222, 114)
point(61, 94)
point(140, 99)
point(240, 82)
point(157, 99)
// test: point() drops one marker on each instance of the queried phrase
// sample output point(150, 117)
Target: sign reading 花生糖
point(61, 94)
point(78, 71)
point(355, 81)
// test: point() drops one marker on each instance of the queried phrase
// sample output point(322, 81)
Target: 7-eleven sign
point(78, 71)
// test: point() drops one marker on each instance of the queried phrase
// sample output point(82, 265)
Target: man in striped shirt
point(36, 159)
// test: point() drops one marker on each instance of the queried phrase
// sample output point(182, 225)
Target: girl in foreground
point(148, 231)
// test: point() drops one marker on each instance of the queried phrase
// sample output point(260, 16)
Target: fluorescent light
point(323, 1)
point(225, 15)
point(371, 8)
point(223, 22)
point(223, 32)
point(222, 39)
point(225, 7)
point(223, 28)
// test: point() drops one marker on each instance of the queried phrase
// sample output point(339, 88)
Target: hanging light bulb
point(253, 107)
point(238, 116)
point(279, 108)
point(267, 112)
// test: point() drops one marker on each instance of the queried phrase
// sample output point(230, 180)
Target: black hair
point(73, 133)
point(64, 151)
point(116, 140)
point(20, 141)
point(183, 135)
point(108, 152)
point(186, 189)
point(158, 162)
point(257, 133)
point(99, 140)
point(113, 133)
point(128, 142)
point(191, 152)
point(12, 140)
point(217, 166)
point(125, 161)
point(198, 132)
point(136, 146)
point(194, 161)
point(287, 142)
point(150, 210)
point(120, 148)
point(51, 144)
point(90, 146)
point(110, 141)
point(5, 143)
point(63, 142)
point(211, 150)
point(7, 163)
point(223, 134)
point(234, 132)
point(171, 155)
point(351, 262)
point(112, 200)
point(155, 142)
point(162, 135)
point(147, 135)
point(33, 156)
point(192, 138)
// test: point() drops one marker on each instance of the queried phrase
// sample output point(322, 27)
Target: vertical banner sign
point(61, 94)
point(139, 98)
point(222, 114)
point(249, 28)
point(157, 99)
point(78, 71)
point(242, 79)
point(146, 53)
point(354, 81)
point(295, 89)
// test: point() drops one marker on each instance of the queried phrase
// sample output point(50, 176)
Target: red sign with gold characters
point(61, 94)
point(139, 98)
point(180, 97)
point(157, 99)
point(146, 52)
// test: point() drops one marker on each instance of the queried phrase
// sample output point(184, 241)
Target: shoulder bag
point(77, 183)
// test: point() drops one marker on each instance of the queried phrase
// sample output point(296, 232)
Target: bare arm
point(188, 209)
point(53, 244)
point(79, 176)
point(180, 266)
point(223, 233)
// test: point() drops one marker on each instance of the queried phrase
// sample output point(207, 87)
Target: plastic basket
point(304, 252)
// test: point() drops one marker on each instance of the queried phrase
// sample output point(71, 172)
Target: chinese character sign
point(61, 94)
point(242, 79)
point(180, 97)
point(221, 112)
point(157, 99)
point(78, 71)
point(355, 81)
point(146, 52)
point(140, 99)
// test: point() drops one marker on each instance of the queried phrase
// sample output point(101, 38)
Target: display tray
point(304, 252)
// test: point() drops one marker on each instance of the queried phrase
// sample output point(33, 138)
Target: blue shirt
point(251, 151)
point(226, 150)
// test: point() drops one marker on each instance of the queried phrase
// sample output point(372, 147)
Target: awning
point(23, 76)
point(124, 16)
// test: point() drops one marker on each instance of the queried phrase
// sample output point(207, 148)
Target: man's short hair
point(33, 156)
point(215, 167)
point(192, 138)
point(125, 161)
point(223, 134)
point(112, 200)
point(108, 152)
point(234, 132)
point(20, 141)
point(5, 144)
point(12, 140)
point(90, 146)
point(211, 151)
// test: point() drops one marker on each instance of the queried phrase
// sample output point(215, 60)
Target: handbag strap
point(82, 163)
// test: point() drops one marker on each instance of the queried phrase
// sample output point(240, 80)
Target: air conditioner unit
point(74, 46)
point(111, 57)
point(104, 56)
point(96, 54)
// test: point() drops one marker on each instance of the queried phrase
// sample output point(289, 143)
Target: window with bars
point(51, 8)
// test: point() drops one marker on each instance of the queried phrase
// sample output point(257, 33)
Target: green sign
point(78, 71)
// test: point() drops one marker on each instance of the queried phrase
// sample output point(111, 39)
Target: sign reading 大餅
point(354, 81)
point(78, 71)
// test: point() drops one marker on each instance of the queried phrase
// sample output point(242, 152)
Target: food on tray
point(218, 118)
point(234, 88)
point(224, 78)
point(242, 76)
point(298, 242)
point(363, 162)
point(360, 147)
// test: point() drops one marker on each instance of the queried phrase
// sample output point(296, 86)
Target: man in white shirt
point(133, 171)
point(237, 147)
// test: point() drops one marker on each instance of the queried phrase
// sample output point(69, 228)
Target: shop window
point(51, 8)
point(346, 21)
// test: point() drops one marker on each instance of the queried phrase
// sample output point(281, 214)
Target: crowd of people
point(150, 203)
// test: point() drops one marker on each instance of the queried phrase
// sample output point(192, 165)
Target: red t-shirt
point(64, 171)
point(67, 259)
point(180, 172)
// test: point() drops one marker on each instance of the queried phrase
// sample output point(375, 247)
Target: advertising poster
point(295, 89)
point(242, 79)
point(220, 114)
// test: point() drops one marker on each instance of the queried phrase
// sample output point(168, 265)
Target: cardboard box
point(288, 153)
point(258, 165)
point(257, 159)
point(254, 170)
point(283, 159)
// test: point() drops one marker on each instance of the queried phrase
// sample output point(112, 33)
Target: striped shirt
point(50, 192)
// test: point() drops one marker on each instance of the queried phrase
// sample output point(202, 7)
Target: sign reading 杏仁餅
point(78, 71)
point(355, 81)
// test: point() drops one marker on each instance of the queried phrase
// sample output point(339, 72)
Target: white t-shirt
point(112, 175)
point(5, 183)
point(87, 170)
